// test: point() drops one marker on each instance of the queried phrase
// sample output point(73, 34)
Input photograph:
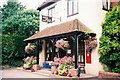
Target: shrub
point(110, 40)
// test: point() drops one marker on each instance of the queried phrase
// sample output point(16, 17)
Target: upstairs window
point(105, 5)
point(72, 7)
point(109, 4)
point(51, 14)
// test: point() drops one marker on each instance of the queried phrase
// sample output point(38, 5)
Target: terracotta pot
point(73, 72)
point(53, 69)
point(35, 67)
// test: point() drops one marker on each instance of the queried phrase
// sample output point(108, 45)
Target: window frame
point(52, 16)
point(73, 11)
point(105, 5)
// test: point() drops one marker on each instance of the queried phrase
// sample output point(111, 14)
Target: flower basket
point(91, 44)
point(62, 44)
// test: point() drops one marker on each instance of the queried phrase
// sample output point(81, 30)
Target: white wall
point(90, 14)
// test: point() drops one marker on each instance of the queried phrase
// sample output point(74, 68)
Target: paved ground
point(20, 73)
point(14, 73)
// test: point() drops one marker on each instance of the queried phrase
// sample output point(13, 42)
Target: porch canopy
point(73, 29)
point(64, 28)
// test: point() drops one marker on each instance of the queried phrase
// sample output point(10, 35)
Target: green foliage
point(63, 68)
point(17, 24)
point(23, 23)
point(11, 8)
point(12, 48)
point(110, 40)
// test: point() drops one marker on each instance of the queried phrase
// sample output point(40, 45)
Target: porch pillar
point(38, 50)
point(75, 42)
point(53, 48)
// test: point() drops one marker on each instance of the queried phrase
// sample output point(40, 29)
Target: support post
point(76, 50)
point(53, 48)
point(38, 50)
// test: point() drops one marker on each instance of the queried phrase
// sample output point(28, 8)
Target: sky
point(30, 4)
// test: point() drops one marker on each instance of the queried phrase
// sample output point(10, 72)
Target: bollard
point(78, 72)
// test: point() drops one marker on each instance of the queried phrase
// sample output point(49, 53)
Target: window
point(51, 14)
point(48, 53)
point(105, 5)
point(109, 4)
point(72, 7)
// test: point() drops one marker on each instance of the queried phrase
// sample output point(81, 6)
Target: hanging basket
point(91, 44)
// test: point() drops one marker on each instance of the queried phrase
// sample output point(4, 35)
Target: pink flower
point(62, 44)
point(55, 58)
point(65, 57)
point(31, 58)
point(61, 40)
point(28, 47)
point(26, 59)
point(70, 59)
point(62, 61)
point(53, 64)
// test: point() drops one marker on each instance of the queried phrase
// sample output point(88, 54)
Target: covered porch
point(73, 31)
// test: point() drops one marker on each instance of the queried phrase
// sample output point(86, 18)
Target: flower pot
point(53, 69)
point(73, 72)
point(35, 67)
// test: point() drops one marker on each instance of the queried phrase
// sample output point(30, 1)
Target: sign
point(46, 19)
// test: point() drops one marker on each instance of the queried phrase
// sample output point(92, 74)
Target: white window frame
point(73, 8)
point(51, 15)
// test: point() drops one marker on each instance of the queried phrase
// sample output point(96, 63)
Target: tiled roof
point(70, 26)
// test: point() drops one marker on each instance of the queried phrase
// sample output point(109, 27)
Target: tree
point(11, 8)
point(23, 23)
point(110, 40)
point(15, 28)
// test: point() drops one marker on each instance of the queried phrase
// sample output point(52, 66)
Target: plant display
point(30, 47)
point(91, 43)
point(110, 40)
point(29, 62)
point(62, 44)
point(64, 63)
point(63, 69)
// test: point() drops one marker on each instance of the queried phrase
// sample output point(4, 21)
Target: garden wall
point(108, 75)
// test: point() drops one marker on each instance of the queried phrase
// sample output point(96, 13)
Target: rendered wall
point(90, 14)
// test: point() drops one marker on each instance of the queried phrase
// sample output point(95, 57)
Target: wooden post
point(53, 48)
point(38, 49)
point(76, 50)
